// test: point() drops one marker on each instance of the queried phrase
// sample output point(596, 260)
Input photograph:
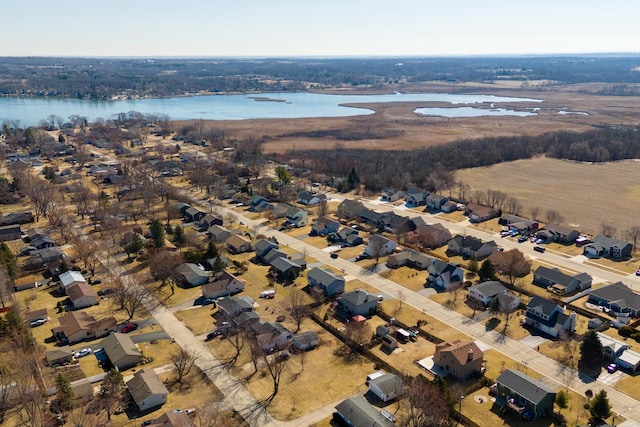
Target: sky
point(279, 28)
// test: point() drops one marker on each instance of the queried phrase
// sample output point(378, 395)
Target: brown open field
point(585, 194)
point(395, 126)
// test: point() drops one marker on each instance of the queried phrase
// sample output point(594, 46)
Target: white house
point(69, 278)
point(486, 291)
point(376, 241)
point(444, 274)
point(147, 390)
point(386, 387)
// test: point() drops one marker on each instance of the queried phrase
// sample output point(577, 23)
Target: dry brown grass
point(562, 185)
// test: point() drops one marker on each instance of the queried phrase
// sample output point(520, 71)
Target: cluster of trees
point(102, 78)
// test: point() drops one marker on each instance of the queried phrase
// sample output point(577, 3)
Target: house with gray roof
point(517, 223)
point(271, 336)
point(435, 202)
point(376, 241)
point(386, 387)
point(210, 220)
point(122, 352)
point(357, 412)
point(224, 284)
point(372, 218)
point(308, 198)
point(391, 195)
point(329, 282)
point(10, 232)
point(306, 341)
point(415, 197)
point(471, 247)
point(218, 233)
point(444, 274)
point(559, 282)
point(347, 236)
point(231, 307)
point(190, 275)
point(409, 258)
point(272, 254)
point(59, 355)
point(617, 299)
point(558, 233)
point(521, 393)
point(349, 209)
point(192, 214)
point(485, 292)
point(548, 317)
point(603, 246)
point(285, 269)
point(297, 217)
point(324, 226)
point(147, 390)
point(358, 302)
point(263, 246)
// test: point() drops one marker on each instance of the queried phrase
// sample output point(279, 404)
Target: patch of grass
point(408, 277)
point(198, 320)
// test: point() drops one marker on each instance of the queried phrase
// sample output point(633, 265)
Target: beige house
point(82, 295)
point(78, 326)
point(122, 352)
point(238, 244)
point(224, 284)
point(147, 390)
point(461, 359)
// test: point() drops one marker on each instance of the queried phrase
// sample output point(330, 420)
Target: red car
point(128, 328)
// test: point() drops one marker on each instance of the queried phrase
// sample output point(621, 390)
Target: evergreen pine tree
point(64, 393)
point(157, 234)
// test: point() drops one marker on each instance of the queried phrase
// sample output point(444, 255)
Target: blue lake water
point(29, 111)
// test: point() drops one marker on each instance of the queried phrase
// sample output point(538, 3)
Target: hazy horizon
point(332, 29)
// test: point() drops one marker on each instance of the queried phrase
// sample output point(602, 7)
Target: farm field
point(561, 185)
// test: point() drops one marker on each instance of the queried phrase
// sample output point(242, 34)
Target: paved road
point(556, 374)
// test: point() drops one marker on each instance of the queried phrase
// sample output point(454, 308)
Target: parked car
point(38, 322)
point(612, 368)
point(83, 352)
point(129, 327)
point(211, 335)
point(334, 255)
point(148, 422)
point(539, 249)
point(638, 273)
point(208, 301)
point(522, 239)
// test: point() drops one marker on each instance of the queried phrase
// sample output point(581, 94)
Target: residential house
point(372, 218)
point(508, 302)
point(33, 315)
point(429, 236)
point(245, 320)
point(480, 213)
point(272, 336)
point(617, 299)
point(59, 355)
point(460, 359)
point(41, 257)
point(349, 209)
point(409, 258)
point(558, 233)
point(449, 206)
point(218, 233)
point(520, 393)
point(238, 244)
point(398, 224)
point(305, 341)
point(415, 197)
point(17, 218)
point(210, 220)
point(559, 282)
point(192, 214)
point(518, 224)
point(231, 307)
point(82, 295)
point(347, 236)
point(39, 239)
point(391, 195)
point(223, 285)
point(263, 246)
point(358, 302)
point(147, 390)
point(357, 412)
point(121, 351)
point(603, 246)
point(308, 198)
point(435, 202)
point(71, 277)
point(10, 232)
point(329, 282)
point(324, 226)
point(280, 210)
point(190, 275)
point(285, 269)
point(486, 291)
point(386, 387)
point(180, 207)
point(611, 347)
point(378, 245)
point(78, 326)
point(297, 217)
point(258, 203)
point(173, 419)
point(273, 254)
point(471, 247)
point(548, 317)
point(444, 275)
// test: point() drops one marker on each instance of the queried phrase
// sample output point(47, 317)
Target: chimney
point(470, 355)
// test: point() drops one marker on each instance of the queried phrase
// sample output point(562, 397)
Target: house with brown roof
point(173, 419)
point(79, 326)
point(82, 295)
point(39, 314)
point(122, 352)
point(147, 390)
point(224, 284)
point(480, 213)
point(238, 244)
point(460, 359)
point(59, 355)
point(471, 247)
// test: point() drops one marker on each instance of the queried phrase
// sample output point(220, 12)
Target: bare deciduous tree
point(633, 234)
point(183, 360)
point(297, 305)
point(534, 211)
point(512, 264)
point(554, 217)
point(424, 404)
point(163, 264)
point(358, 332)
point(129, 295)
point(608, 230)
